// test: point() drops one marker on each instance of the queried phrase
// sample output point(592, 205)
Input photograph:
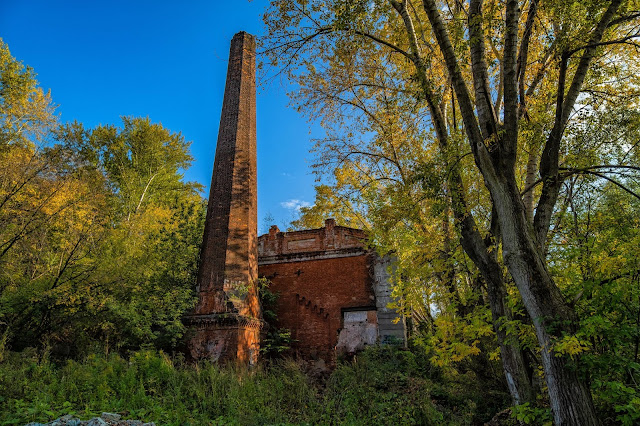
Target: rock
point(110, 417)
point(105, 419)
point(66, 420)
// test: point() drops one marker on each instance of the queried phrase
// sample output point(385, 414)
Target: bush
point(381, 386)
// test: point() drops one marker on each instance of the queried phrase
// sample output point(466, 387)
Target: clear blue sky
point(166, 60)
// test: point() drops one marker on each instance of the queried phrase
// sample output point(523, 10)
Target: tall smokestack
point(226, 321)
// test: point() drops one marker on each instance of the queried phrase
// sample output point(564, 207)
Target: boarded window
point(360, 328)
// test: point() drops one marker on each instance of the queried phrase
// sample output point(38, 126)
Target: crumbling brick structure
point(332, 290)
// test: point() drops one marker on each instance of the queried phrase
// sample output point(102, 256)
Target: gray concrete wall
point(389, 330)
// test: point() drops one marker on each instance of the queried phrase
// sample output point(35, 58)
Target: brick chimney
point(226, 323)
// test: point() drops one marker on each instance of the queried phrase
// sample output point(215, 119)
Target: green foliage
point(153, 259)
point(598, 262)
point(99, 234)
point(142, 163)
point(153, 387)
point(389, 386)
point(383, 386)
point(277, 341)
point(329, 204)
point(26, 112)
point(529, 415)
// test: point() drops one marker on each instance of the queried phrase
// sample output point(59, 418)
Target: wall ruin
point(332, 290)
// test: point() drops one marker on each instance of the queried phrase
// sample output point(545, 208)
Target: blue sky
point(166, 60)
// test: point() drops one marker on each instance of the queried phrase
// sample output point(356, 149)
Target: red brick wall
point(224, 342)
point(312, 294)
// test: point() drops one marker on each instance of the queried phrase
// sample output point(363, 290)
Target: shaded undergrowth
point(383, 386)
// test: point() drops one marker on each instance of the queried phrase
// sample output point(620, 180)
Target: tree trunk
point(529, 181)
point(569, 395)
point(513, 364)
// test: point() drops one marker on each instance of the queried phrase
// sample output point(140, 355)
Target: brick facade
point(324, 277)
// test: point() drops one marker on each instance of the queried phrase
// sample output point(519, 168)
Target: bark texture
point(495, 155)
point(481, 252)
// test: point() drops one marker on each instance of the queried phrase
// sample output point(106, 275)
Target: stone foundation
point(224, 338)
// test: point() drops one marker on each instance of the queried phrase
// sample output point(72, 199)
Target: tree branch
point(550, 155)
point(510, 141)
point(523, 55)
point(486, 114)
point(623, 40)
point(472, 129)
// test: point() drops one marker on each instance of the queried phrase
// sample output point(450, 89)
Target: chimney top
point(242, 34)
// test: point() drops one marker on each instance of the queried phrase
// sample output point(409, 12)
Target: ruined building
point(333, 290)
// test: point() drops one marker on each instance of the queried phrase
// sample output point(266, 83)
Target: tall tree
point(143, 162)
point(99, 234)
point(500, 68)
point(26, 111)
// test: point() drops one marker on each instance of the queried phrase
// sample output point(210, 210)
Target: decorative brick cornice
point(330, 239)
point(315, 255)
point(225, 320)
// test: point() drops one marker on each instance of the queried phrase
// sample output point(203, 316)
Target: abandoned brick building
point(333, 290)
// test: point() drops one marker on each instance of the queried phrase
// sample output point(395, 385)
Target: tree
point(147, 259)
point(26, 112)
point(142, 162)
point(329, 204)
point(99, 235)
point(516, 65)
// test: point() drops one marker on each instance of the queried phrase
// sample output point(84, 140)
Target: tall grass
point(384, 386)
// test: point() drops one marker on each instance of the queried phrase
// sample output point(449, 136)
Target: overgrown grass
point(384, 386)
